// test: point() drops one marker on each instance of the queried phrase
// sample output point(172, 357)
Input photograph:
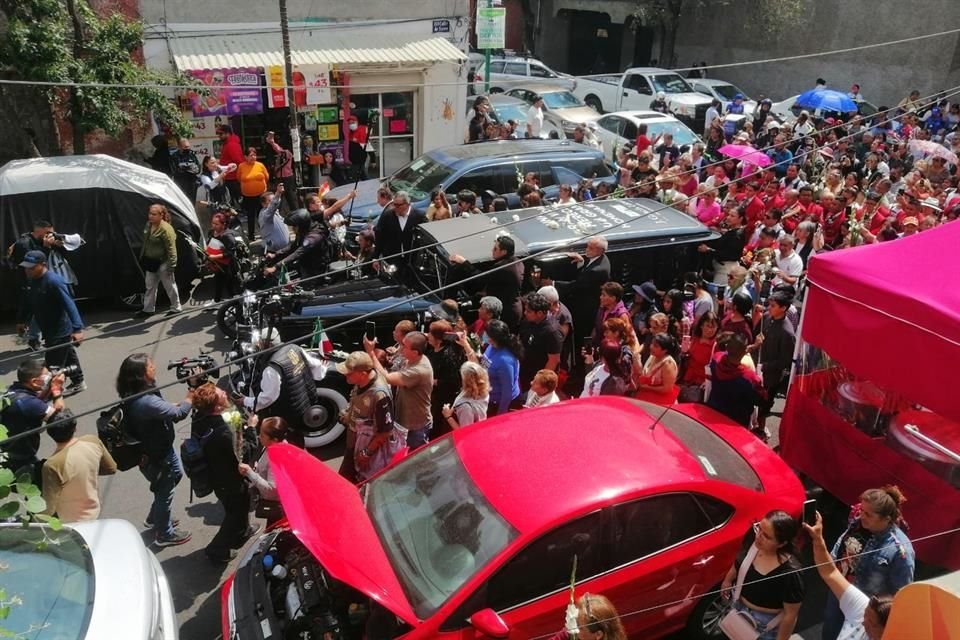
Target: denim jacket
point(886, 562)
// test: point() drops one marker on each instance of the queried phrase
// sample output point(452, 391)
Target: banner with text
point(276, 93)
point(232, 92)
point(491, 27)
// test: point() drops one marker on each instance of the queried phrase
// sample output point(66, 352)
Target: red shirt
point(643, 143)
point(755, 211)
point(876, 220)
point(232, 152)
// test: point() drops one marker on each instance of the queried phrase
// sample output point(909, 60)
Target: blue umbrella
point(826, 100)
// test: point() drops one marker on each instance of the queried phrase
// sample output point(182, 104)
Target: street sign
point(491, 27)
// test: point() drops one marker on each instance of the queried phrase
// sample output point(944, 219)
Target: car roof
point(712, 82)
point(499, 149)
point(643, 116)
point(654, 70)
point(574, 457)
point(542, 88)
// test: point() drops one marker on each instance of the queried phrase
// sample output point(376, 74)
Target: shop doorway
point(596, 40)
point(393, 129)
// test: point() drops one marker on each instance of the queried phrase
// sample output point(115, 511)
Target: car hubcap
point(711, 617)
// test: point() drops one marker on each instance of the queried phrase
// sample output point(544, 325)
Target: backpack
point(196, 466)
point(113, 431)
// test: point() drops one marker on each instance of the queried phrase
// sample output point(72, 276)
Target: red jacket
point(232, 152)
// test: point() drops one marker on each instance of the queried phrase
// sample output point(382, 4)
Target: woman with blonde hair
point(470, 405)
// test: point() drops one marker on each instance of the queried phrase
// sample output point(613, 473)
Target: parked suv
point(654, 243)
point(481, 167)
point(507, 72)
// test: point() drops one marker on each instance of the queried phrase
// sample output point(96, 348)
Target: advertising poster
point(232, 92)
point(317, 79)
point(276, 94)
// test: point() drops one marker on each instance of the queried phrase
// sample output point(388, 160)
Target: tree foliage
point(66, 41)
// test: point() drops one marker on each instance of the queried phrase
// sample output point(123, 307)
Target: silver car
point(508, 72)
point(559, 106)
point(87, 581)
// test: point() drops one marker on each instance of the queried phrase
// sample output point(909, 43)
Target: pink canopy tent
point(888, 313)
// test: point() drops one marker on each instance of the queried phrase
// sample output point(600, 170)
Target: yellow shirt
point(253, 178)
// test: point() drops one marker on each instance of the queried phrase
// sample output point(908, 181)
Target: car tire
point(132, 302)
point(704, 622)
point(227, 316)
point(594, 103)
point(333, 402)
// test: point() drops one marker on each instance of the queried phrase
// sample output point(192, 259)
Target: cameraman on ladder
point(49, 302)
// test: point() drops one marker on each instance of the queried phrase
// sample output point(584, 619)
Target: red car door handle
point(702, 562)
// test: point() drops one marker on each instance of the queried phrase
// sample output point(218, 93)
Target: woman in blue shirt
point(501, 358)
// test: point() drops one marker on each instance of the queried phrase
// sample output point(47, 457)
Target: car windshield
point(561, 100)
point(512, 111)
point(670, 83)
point(681, 134)
point(53, 582)
point(436, 527)
point(716, 457)
point(420, 177)
point(727, 91)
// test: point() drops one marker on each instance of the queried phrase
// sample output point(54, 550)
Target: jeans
point(418, 437)
point(64, 355)
point(163, 475)
point(236, 521)
point(153, 279)
point(761, 618)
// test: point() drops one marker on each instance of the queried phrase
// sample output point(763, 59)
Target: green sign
point(491, 27)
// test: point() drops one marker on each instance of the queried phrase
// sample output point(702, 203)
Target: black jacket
point(391, 240)
point(582, 295)
point(218, 449)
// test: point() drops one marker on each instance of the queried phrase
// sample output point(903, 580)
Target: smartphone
point(588, 345)
point(452, 335)
point(810, 512)
point(370, 329)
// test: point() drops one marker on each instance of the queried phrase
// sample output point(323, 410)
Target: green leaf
point(4, 491)
point(6, 477)
point(9, 509)
point(36, 504)
point(4, 612)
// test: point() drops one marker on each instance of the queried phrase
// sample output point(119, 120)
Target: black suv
point(652, 243)
point(496, 167)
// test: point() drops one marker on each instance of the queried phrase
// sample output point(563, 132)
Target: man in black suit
point(395, 230)
point(582, 295)
point(504, 280)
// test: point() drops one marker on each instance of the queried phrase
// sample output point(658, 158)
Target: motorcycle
point(323, 423)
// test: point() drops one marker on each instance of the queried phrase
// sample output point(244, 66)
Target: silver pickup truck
point(637, 88)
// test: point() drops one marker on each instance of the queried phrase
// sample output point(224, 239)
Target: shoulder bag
point(739, 625)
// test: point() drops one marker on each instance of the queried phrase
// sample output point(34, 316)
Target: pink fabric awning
point(890, 312)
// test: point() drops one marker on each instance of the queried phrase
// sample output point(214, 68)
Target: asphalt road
point(194, 580)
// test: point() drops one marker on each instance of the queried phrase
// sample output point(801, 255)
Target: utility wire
point(392, 306)
point(105, 85)
point(547, 210)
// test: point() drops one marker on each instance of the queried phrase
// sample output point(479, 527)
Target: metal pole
point(292, 125)
point(486, 61)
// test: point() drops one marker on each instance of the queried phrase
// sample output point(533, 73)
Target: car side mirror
point(489, 623)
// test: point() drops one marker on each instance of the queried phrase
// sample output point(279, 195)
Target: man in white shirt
point(713, 116)
point(535, 118)
point(789, 262)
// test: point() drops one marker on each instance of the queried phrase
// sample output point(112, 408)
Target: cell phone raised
point(810, 512)
point(370, 330)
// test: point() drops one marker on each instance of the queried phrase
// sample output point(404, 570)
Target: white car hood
point(126, 601)
point(688, 98)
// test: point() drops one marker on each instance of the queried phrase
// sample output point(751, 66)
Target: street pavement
point(194, 580)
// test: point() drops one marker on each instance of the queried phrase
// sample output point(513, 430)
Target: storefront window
point(392, 138)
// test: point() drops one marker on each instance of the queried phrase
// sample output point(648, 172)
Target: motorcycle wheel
point(132, 302)
point(333, 402)
point(228, 316)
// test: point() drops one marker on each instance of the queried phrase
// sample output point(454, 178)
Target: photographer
point(49, 303)
point(33, 399)
point(150, 419)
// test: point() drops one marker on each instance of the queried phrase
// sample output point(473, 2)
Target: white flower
point(516, 218)
point(494, 221)
point(552, 224)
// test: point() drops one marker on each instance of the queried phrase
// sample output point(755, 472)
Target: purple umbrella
point(745, 153)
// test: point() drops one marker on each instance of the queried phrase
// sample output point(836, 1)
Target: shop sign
point(491, 27)
point(232, 92)
point(316, 77)
point(441, 26)
point(276, 91)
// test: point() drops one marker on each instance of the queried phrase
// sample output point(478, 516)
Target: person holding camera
point(49, 303)
point(33, 399)
point(150, 418)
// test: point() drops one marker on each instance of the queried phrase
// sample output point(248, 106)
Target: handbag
point(739, 625)
point(150, 264)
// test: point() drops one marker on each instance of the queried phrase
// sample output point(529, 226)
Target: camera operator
point(33, 399)
point(285, 388)
point(49, 303)
point(150, 418)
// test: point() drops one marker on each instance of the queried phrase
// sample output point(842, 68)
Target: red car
point(474, 535)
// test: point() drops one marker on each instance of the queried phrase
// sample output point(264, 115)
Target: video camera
point(186, 366)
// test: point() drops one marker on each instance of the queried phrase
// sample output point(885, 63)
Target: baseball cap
point(33, 258)
point(910, 220)
point(356, 361)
